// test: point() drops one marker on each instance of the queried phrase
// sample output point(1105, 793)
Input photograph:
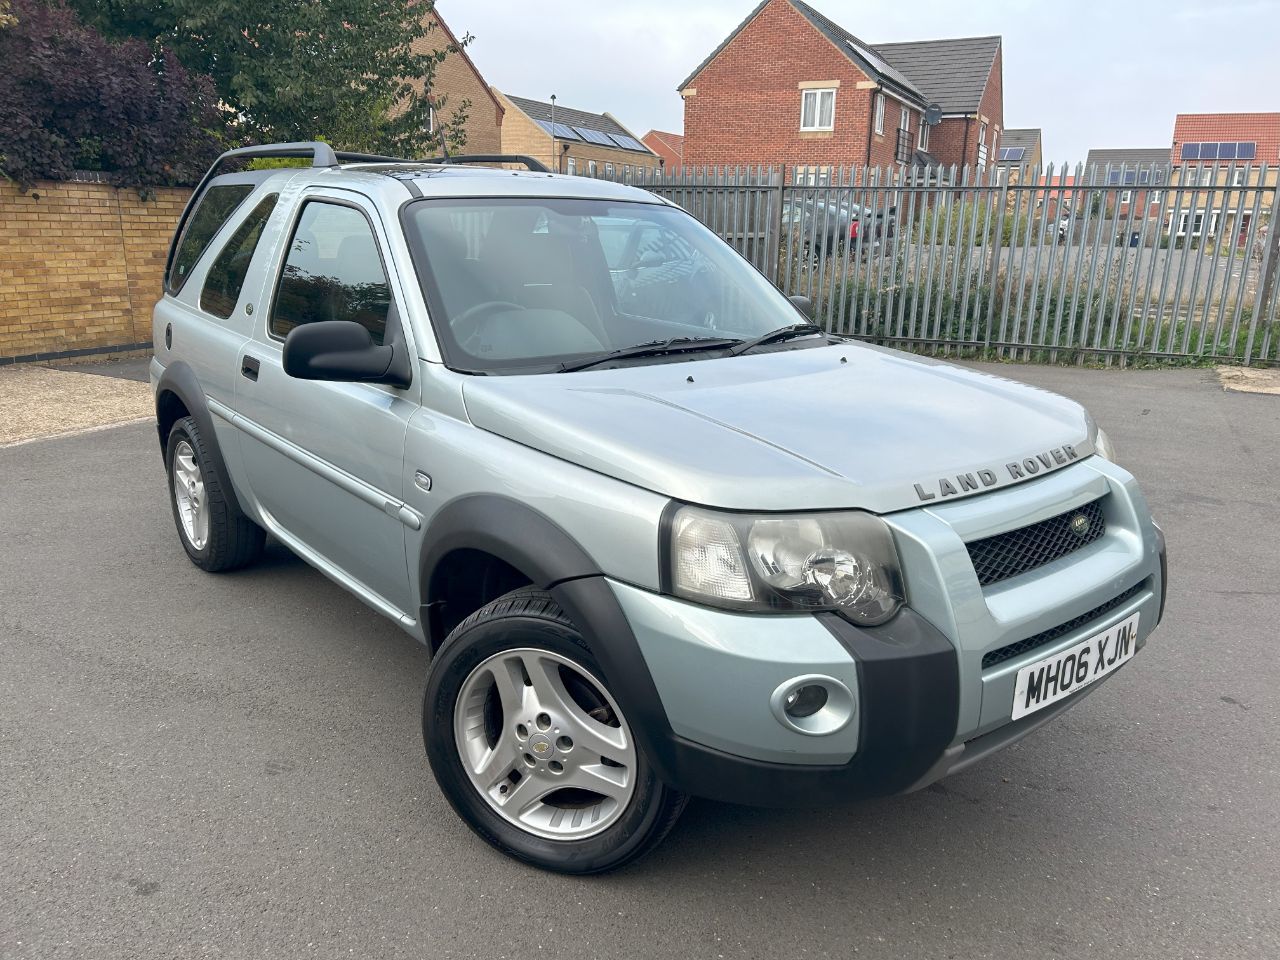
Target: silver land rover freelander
point(663, 536)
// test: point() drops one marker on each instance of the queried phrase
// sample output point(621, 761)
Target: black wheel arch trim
point(909, 673)
point(181, 381)
point(553, 560)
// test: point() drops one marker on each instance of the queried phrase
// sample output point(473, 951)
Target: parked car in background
point(829, 224)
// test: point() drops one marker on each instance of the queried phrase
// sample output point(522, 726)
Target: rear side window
point(225, 278)
point(214, 209)
point(333, 272)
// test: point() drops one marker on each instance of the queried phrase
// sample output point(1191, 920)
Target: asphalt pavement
point(232, 766)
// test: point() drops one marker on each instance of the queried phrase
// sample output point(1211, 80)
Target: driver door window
point(333, 272)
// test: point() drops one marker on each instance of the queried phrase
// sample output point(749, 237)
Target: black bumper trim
point(909, 703)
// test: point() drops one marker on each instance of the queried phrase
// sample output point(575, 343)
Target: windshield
point(526, 285)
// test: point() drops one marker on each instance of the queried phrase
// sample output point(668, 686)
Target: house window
point(1197, 223)
point(1237, 178)
point(982, 144)
point(1126, 196)
point(1155, 197)
point(1206, 176)
point(572, 167)
point(592, 169)
point(879, 114)
point(817, 109)
point(924, 135)
point(431, 118)
point(608, 169)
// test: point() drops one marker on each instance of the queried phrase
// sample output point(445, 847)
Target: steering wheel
point(470, 341)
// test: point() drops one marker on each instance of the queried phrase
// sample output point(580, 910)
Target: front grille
point(1061, 630)
point(1008, 554)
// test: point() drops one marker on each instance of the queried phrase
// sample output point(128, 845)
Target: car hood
point(847, 425)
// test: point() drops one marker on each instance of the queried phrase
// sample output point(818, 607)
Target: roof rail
point(537, 166)
point(321, 154)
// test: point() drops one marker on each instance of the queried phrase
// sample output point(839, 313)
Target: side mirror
point(803, 304)
point(343, 350)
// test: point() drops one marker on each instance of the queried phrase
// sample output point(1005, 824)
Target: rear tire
point(530, 747)
point(213, 529)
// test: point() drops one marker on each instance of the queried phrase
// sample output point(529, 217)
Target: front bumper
point(696, 682)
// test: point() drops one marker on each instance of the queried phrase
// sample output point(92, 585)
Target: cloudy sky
point(1091, 73)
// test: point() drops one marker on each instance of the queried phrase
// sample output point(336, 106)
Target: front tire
point(214, 531)
point(530, 747)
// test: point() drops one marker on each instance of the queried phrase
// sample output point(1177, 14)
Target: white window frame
point(571, 166)
point(593, 168)
point(904, 121)
point(923, 140)
point(1237, 177)
point(879, 114)
point(608, 169)
point(1154, 197)
point(1206, 177)
point(1126, 196)
point(816, 94)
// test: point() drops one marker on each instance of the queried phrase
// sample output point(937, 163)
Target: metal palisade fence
point(1110, 263)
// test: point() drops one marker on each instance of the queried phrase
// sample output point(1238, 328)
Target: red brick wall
point(746, 109)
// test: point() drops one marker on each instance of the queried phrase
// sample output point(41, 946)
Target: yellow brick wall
point(80, 265)
point(457, 80)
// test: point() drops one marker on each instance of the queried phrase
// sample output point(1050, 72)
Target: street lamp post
point(555, 157)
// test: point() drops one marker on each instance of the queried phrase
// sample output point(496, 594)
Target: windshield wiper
point(654, 348)
point(789, 332)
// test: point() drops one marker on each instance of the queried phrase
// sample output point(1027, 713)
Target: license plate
point(1050, 680)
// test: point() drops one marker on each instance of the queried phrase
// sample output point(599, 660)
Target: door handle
point(249, 367)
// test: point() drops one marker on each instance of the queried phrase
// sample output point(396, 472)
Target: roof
point(951, 73)
point(672, 140)
point(541, 112)
point(1262, 129)
point(1128, 156)
point(859, 51)
point(1024, 139)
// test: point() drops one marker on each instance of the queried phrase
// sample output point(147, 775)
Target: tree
point(75, 100)
point(353, 72)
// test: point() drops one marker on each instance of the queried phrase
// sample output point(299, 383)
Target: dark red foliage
point(72, 100)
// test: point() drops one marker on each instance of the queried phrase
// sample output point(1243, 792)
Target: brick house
point(573, 141)
point(458, 79)
point(668, 146)
point(1212, 151)
point(1142, 171)
point(790, 86)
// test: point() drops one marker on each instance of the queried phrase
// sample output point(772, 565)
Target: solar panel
point(1226, 151)
point(1012, 154)
point(1191, 151)
point(558, 130)
point(627, 143)
point(1246, 151)
point(594, 136)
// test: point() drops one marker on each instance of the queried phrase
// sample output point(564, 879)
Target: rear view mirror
point(343, 351)
point(803, 304)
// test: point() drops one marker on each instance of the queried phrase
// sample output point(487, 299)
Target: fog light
point(814, 705)
point(805, 701)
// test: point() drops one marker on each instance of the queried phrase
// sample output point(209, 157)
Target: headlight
point(1102, 446)
point(816, 561)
